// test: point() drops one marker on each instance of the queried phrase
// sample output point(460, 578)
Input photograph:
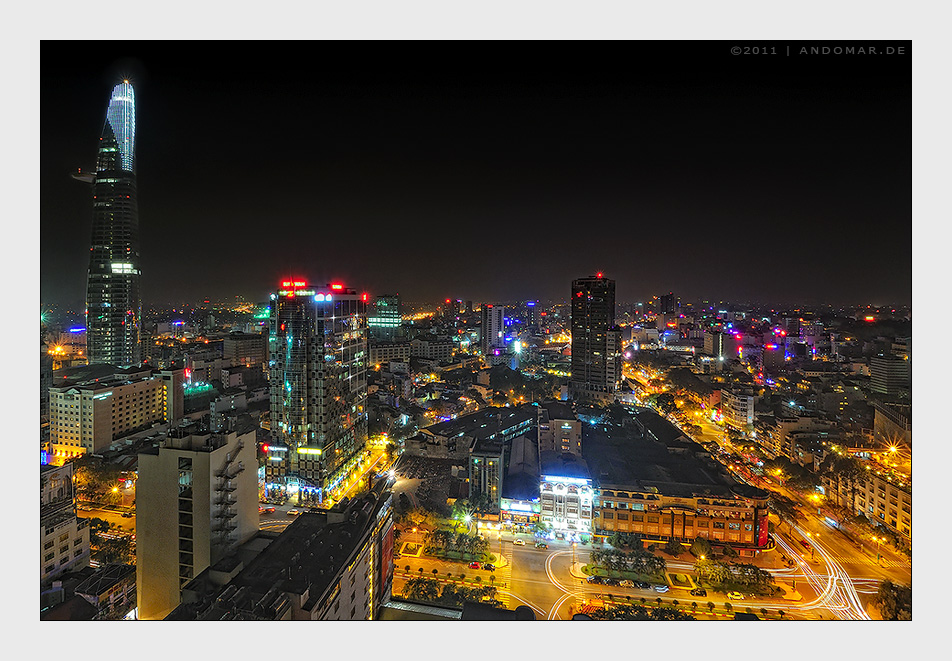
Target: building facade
point(566, 494)
point(596, 341)
point(196, 500)
point(64, 538)
point(739, 521)
point(384, 321)
point(113, 303)
point(317, 357)
point(559, 429)
point(384, 352)
point(86, 417)
point(492, 340)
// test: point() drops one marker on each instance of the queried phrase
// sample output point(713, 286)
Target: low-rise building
point(111, 590)
point(565, 493)
point(651, 480)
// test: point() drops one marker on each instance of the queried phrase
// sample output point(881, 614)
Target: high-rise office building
point(317, 357)
point(669, 304)
point(113, 304)
point(492, 335)
point(596, 341)
point(384, 320)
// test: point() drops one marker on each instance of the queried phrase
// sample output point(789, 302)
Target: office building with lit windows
point(596, 341)
point(113, 303)
point(87, 414)
point(384, 320)
point(317, 359)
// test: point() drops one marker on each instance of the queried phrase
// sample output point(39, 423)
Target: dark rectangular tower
point(596, 366)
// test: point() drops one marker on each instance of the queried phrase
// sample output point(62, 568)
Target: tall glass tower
point(113, 303)
point(317, 359)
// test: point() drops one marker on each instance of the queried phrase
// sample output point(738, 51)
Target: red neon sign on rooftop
point(337, 286)
point(294, 283)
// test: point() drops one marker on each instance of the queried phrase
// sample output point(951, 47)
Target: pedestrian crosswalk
point(503, 576)
point(863, 560)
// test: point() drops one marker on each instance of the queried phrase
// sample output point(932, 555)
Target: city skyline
point(728, 179)
point(594, 341)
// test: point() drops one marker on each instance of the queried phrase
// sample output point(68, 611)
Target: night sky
point(493, 171)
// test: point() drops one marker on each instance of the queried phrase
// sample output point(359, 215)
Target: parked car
point(611, 581)
point(698, 592)
point(520, 542)
point(660, 588)
point(541, 545)
point(734, 595)
point(597, 580)
point(642, 585)
point(489, 567)
point(127, 515)
point(475, 565)
point(627, 584)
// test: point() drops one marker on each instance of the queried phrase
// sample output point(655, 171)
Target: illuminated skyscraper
point(317, 357)
point(492, 340)
point(596, 341)
point(113, 304)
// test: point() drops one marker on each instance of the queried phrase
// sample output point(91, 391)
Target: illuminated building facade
point(492, 334)
point(384, 322)
point(87, 416)
point(113, 303)
point(596, 341)
point(317, 359)
point(566, 493)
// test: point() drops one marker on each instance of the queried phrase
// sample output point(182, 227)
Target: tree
point(421, 589)
point(436, 572)
point(781, 614)
point(673, 547)
point(407, 569)
point(700, 547)
point(728, 607)
point(763, 612)
point(894, 601)
point(710, 607)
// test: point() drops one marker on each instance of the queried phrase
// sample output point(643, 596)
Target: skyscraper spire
point(113, 303)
